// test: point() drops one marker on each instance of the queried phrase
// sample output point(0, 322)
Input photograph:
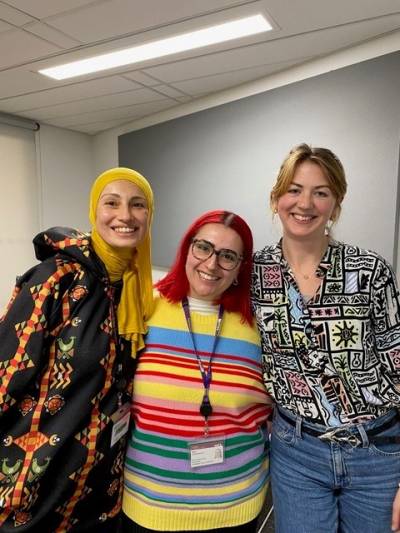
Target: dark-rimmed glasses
point(226, 259)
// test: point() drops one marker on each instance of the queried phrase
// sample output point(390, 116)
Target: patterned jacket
point(60, 366)
point(335, 358)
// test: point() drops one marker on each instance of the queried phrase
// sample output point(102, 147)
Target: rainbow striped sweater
point(162, 491)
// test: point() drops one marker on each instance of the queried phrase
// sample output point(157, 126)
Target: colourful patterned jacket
point(58, 389)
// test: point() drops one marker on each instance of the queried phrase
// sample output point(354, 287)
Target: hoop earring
point(235, 283)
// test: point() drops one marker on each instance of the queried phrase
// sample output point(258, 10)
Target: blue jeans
point(326, 487)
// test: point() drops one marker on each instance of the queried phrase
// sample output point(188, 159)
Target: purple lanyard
point(205, 407)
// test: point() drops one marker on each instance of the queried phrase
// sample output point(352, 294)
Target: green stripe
point(254, 438)
point(153, 450)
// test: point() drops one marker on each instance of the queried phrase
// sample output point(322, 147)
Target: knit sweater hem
point(164, 519)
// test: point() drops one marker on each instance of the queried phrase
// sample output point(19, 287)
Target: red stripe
point(184, 379)
point(239, 421)
point(167, 361)
point(190, 351)
point(177, 432)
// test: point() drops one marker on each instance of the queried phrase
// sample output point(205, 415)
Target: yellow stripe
point(171, 317)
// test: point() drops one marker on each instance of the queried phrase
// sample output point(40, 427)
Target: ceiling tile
point(97, 127)
point(19, 80)
point(13, 16)
point(120, 17)
point(46, 8)
point(4, 26)
point(127, 113)
point(22, 46)
point(142, 78)
point(67, 93)
point(219, 82)
point(98, 103)
point(311, 15)
point(168, 91)
point(50, 34)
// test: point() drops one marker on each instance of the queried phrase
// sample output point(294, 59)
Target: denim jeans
point(325, 487)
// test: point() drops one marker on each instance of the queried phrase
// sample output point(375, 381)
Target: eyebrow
point(116, 195)
point(217, 249)
point(316, 187)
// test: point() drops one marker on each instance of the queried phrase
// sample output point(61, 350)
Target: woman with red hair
point(198, 455)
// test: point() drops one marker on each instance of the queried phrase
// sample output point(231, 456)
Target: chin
point(123, 244)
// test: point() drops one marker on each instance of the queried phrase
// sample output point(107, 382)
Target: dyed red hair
point(175, 286)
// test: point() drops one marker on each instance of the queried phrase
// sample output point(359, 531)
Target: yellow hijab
point(133, 267)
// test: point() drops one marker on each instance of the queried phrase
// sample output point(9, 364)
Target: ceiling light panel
point(228, 31)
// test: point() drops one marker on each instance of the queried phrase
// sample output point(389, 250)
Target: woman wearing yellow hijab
point(127, 254)
point(69, 339)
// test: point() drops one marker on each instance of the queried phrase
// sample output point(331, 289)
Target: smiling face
point(308, 204)
point(207, 280)
point(122, 214)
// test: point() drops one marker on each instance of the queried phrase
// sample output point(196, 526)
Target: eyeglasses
point(226, 259)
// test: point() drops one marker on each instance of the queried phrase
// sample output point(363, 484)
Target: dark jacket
point(61, 367)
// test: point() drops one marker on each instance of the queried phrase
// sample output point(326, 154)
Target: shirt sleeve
point(386, 322)
point(25, 331)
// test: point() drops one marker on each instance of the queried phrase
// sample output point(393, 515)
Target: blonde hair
point(323, 157)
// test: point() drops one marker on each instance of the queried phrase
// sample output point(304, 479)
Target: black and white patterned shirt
point(334, 359)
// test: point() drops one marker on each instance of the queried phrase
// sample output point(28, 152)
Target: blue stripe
point(182, 339)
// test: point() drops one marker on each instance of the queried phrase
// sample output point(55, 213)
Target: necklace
point(304, 276)
point(313, 260)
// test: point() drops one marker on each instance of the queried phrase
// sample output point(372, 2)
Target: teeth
point(303, 218)
point(208, 277)
point(124, 230)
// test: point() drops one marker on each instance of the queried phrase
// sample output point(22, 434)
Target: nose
point(212, 262)
point(124, 212)
point(304, 201)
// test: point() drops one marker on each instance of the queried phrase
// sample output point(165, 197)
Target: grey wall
point(228, 156)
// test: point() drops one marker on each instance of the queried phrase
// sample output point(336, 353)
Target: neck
point(304, 256)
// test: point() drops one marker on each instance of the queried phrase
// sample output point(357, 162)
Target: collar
point(327, 264)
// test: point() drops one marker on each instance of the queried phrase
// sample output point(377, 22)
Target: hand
point(396, 512)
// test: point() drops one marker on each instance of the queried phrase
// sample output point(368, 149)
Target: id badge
point(120, 420)
point(206, 452)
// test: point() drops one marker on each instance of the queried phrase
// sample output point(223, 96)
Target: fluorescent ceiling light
point(164, 47)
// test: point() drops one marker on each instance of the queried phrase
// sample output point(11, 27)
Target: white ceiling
point(36, 34)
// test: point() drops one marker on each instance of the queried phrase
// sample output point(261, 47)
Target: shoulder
point(165, 311)
point(51, 270)
point(368, 263)
point(352, 253)
point(236, 329)
point(269, 253)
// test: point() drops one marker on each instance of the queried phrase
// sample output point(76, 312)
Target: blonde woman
point(329, 318)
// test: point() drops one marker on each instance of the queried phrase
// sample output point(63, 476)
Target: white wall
point(66, 171)
point(105, 151)
point(19, 210)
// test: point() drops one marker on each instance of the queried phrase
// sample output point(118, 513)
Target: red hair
point(175, 285)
